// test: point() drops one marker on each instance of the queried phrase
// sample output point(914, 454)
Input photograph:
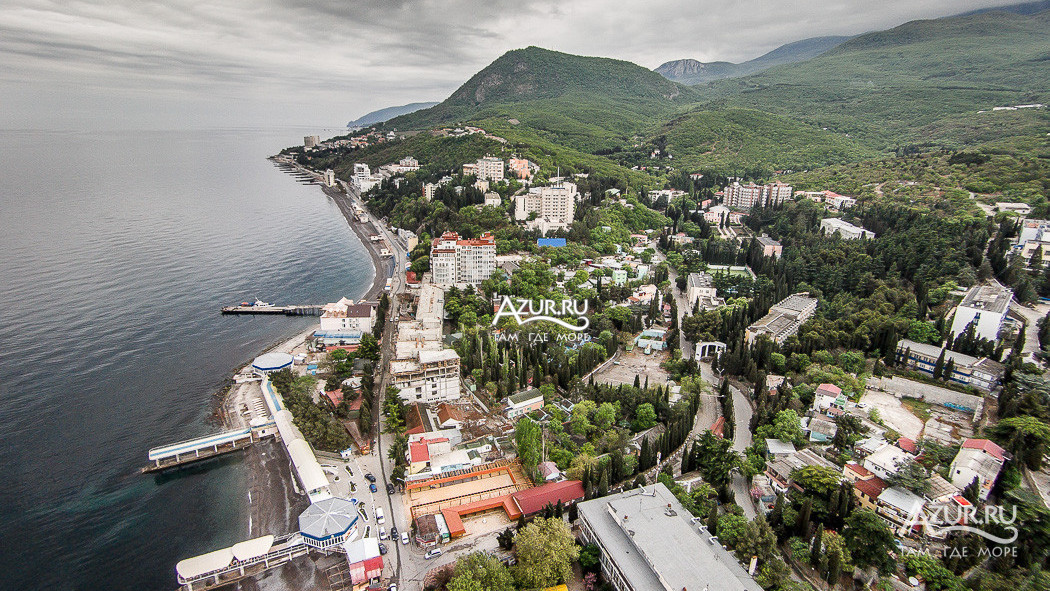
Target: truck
point(389, 284)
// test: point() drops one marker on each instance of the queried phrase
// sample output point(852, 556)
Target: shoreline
point(274, 501)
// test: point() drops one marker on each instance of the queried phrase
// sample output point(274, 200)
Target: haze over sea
point(116, 251)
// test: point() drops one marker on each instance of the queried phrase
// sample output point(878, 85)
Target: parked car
point(373, 488)
point(390, 489)
point(393, 532)
point(404, 538)
point(369, 477)
point(382, 533)
point(432, 553)
point(382, 549)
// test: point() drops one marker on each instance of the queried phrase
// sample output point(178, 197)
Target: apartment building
point(489, 168)
point(986, 306)
point(454, 260)
point(783, 319)
point(422, 370)
point(750, 195)
point(553, 206)
point(981, 372)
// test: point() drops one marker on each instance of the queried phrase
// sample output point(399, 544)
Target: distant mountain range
point(388, 113)
point(690, 71)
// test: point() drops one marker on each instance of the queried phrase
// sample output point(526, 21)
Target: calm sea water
point(116, 252)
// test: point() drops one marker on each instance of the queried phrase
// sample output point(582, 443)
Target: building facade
point(981, 372)
point(783, 319)
point(844, 229)
point(750, 195)
point(986, 306)
point(454, 260)
point(489, 168)
point(554, 206)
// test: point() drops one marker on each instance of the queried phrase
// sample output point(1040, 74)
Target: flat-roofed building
point(454, 260)
point(770, 247)
point(977, 458)
point(981, 372)
point(489, 168)
point(750, 195)
point(844, 229)
point(783, 319)
point(554, 207)
point(986, 306)
point(700, 287)
point(647, 541)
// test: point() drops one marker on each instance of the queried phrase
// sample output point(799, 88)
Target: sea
point(117, 250)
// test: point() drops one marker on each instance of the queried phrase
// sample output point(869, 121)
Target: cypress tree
point(802, 522)
point(834, 567)
point(712, 520)
point(938, 368)
point(816, 550)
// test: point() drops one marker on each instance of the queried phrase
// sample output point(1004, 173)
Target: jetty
point(202, 448)
point(301, 310)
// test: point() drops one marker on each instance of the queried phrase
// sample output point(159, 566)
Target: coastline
point(274, 501)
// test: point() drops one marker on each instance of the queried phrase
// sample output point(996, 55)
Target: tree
point(482, 572)
point(816, 480)
point(589, 557)
point(802, 521)
point(506, 539)
point(545, 550)
point(528, 437)
point(817, 549)
point(869, 540)
point(759, 540)
point(1025, 437)
point(786, 426)
point(912, 476)
point(644, 417)
point(938, 368)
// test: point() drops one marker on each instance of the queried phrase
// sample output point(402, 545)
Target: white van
point(382, 533)
point(379, 515)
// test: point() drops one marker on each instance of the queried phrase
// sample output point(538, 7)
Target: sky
point(143, 64)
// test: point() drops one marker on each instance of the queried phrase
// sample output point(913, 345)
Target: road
point(684, 308)
point(1031, 328)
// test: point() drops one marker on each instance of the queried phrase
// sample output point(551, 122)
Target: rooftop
point(985, 445)
point(328, 518)
point(524, 396)
point(533, 500)
point(991, 297)
point(649, 535)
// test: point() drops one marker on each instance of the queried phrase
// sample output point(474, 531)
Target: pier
point(195, 450)
point(245, 559)
point(306, 310)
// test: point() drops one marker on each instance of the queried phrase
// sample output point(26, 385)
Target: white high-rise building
point(554, 206)
point(750, 195)
point(489, 168)
point(454, 260)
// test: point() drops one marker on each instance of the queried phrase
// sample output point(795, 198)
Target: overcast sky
point(187, 63)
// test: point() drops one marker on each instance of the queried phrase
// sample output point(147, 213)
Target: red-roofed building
point(334, 396)
point(829, 390)
point(533, 500)
point(418, 453)
point(868, 491)
point(981, 459)
point(908, 445)
point(855, 472)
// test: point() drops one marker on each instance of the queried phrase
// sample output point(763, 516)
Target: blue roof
point(556, 242)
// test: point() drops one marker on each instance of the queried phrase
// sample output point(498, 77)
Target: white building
point(700, 287)
point(717, 215)
point(845, 229)
point(454, 260)
point(428, 191)
point(329, 177)
point(408, 164)
point(554, 206)
point(977, 458)
point(492, 199)
point(783, 319)
point(311, 141)
point(346, 321)
point(1018, 208)
point(422, 369)
point(750, 195)
point(987, 307)
point(886, 461)
point(489, 168)
point(1034, 234)
point(363, 177)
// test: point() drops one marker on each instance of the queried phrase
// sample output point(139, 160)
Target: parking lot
point(634, 363)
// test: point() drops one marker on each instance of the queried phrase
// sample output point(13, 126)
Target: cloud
point(184, 62)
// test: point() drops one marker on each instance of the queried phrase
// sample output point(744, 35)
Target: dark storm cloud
point(330, 60)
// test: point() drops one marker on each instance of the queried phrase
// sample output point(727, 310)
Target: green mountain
point(586, 102)
point(382, 115)
point(921, 82)
point(690, 71)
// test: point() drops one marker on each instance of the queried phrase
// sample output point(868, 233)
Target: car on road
point(432, 553)
point(369, 477)
point(382, 549)
point(390, 489)
point(404, 538)
point(373, 488)
point(393, 532)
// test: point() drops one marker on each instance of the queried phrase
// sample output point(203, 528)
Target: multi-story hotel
point(554, 206)
point(750, 195)
point(454, 260)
